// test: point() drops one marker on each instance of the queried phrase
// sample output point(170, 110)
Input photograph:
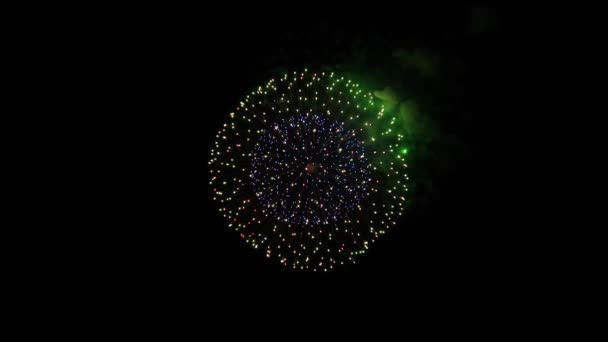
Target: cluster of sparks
point(310, 170)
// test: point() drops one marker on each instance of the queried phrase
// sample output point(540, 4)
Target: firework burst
point(310, 170)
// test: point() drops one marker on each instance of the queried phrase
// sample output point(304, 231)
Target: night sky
point(461, 249)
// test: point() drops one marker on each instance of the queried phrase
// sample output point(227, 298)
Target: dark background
point(469, 250)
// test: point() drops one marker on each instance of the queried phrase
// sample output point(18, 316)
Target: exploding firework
point(310, 169)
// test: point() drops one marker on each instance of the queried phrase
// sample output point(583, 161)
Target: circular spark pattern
point(310, 170)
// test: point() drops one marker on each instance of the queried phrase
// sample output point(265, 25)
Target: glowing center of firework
point(309, 169)
point(312, 168)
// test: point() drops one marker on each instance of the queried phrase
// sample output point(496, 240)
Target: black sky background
point(467, 251)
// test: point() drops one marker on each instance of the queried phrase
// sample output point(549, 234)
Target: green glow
point(404, 151)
